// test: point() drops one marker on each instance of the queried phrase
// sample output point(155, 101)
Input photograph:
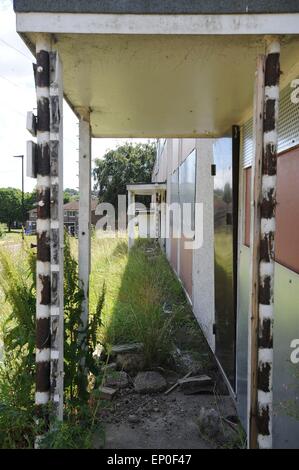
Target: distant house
point(71, 217)
point(31, 221)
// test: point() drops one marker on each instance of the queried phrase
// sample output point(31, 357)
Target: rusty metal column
point(43, 271)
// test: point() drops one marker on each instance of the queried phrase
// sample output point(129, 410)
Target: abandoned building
point(70, 217)
point(217, 83)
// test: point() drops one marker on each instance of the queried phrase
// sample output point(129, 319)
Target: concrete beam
point(89, 23)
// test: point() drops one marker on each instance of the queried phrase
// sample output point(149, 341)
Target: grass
point(138, 283)
point(15, 237)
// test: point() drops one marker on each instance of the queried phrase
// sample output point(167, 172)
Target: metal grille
point(247, 143)
point(288, 124)
point(288, 128)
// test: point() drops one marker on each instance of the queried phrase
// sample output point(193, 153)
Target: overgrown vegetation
point(11, 209)
point(135, 297)
point(18, 338)
point(2, 230)
point(17, 425)
point(139, 284)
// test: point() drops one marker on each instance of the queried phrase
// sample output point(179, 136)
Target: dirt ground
point(185, 418)
point(159, 421)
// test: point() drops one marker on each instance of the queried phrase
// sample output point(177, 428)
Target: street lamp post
point(23, 218)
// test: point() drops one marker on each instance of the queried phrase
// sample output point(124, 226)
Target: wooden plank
point(177, 383)
point(107, 393)
point(254, 248)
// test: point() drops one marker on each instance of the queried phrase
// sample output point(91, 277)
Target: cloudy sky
point(17, 96)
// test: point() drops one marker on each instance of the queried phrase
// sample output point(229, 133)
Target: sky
point(17, 96)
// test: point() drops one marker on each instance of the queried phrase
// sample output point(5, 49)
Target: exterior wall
point(203, 258)
point(171, 154)
point(286, 290)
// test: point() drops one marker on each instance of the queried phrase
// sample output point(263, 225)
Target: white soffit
point(163, 85)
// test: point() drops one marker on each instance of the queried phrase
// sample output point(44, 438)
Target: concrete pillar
point(56, 234)
point(131, 218)
point(84, 212)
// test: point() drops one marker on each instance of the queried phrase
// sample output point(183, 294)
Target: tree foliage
point(69, 195)
point(127, 164)
point(11, 205)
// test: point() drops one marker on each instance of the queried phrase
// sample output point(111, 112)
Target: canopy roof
point(157, 6)
point(160, 75)
point(145, 189)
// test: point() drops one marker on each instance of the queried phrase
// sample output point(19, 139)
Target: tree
point(29, 201)
point(70, 194)
point(10, 206)
point(127, 164)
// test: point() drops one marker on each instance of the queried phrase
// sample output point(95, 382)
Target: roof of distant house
point(74, 205)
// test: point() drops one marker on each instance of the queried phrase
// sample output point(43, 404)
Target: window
point(71, 213)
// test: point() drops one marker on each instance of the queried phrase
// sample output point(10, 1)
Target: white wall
point(203, 258)
point(174, 153)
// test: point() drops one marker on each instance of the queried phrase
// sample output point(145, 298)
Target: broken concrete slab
point(125, 348)
point(199, 384)
point(149, 382)
point(107, 393)
point(202, 379)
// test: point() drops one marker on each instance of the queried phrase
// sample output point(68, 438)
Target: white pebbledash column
point(131, 218)
point(56, 234)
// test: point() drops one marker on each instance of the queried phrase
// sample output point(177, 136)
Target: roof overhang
point(158, 7)
point(146, 189)
point(162, 75)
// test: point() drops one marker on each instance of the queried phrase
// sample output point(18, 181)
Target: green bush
point(2, 230)
point(18, 337)
point(17, 370)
